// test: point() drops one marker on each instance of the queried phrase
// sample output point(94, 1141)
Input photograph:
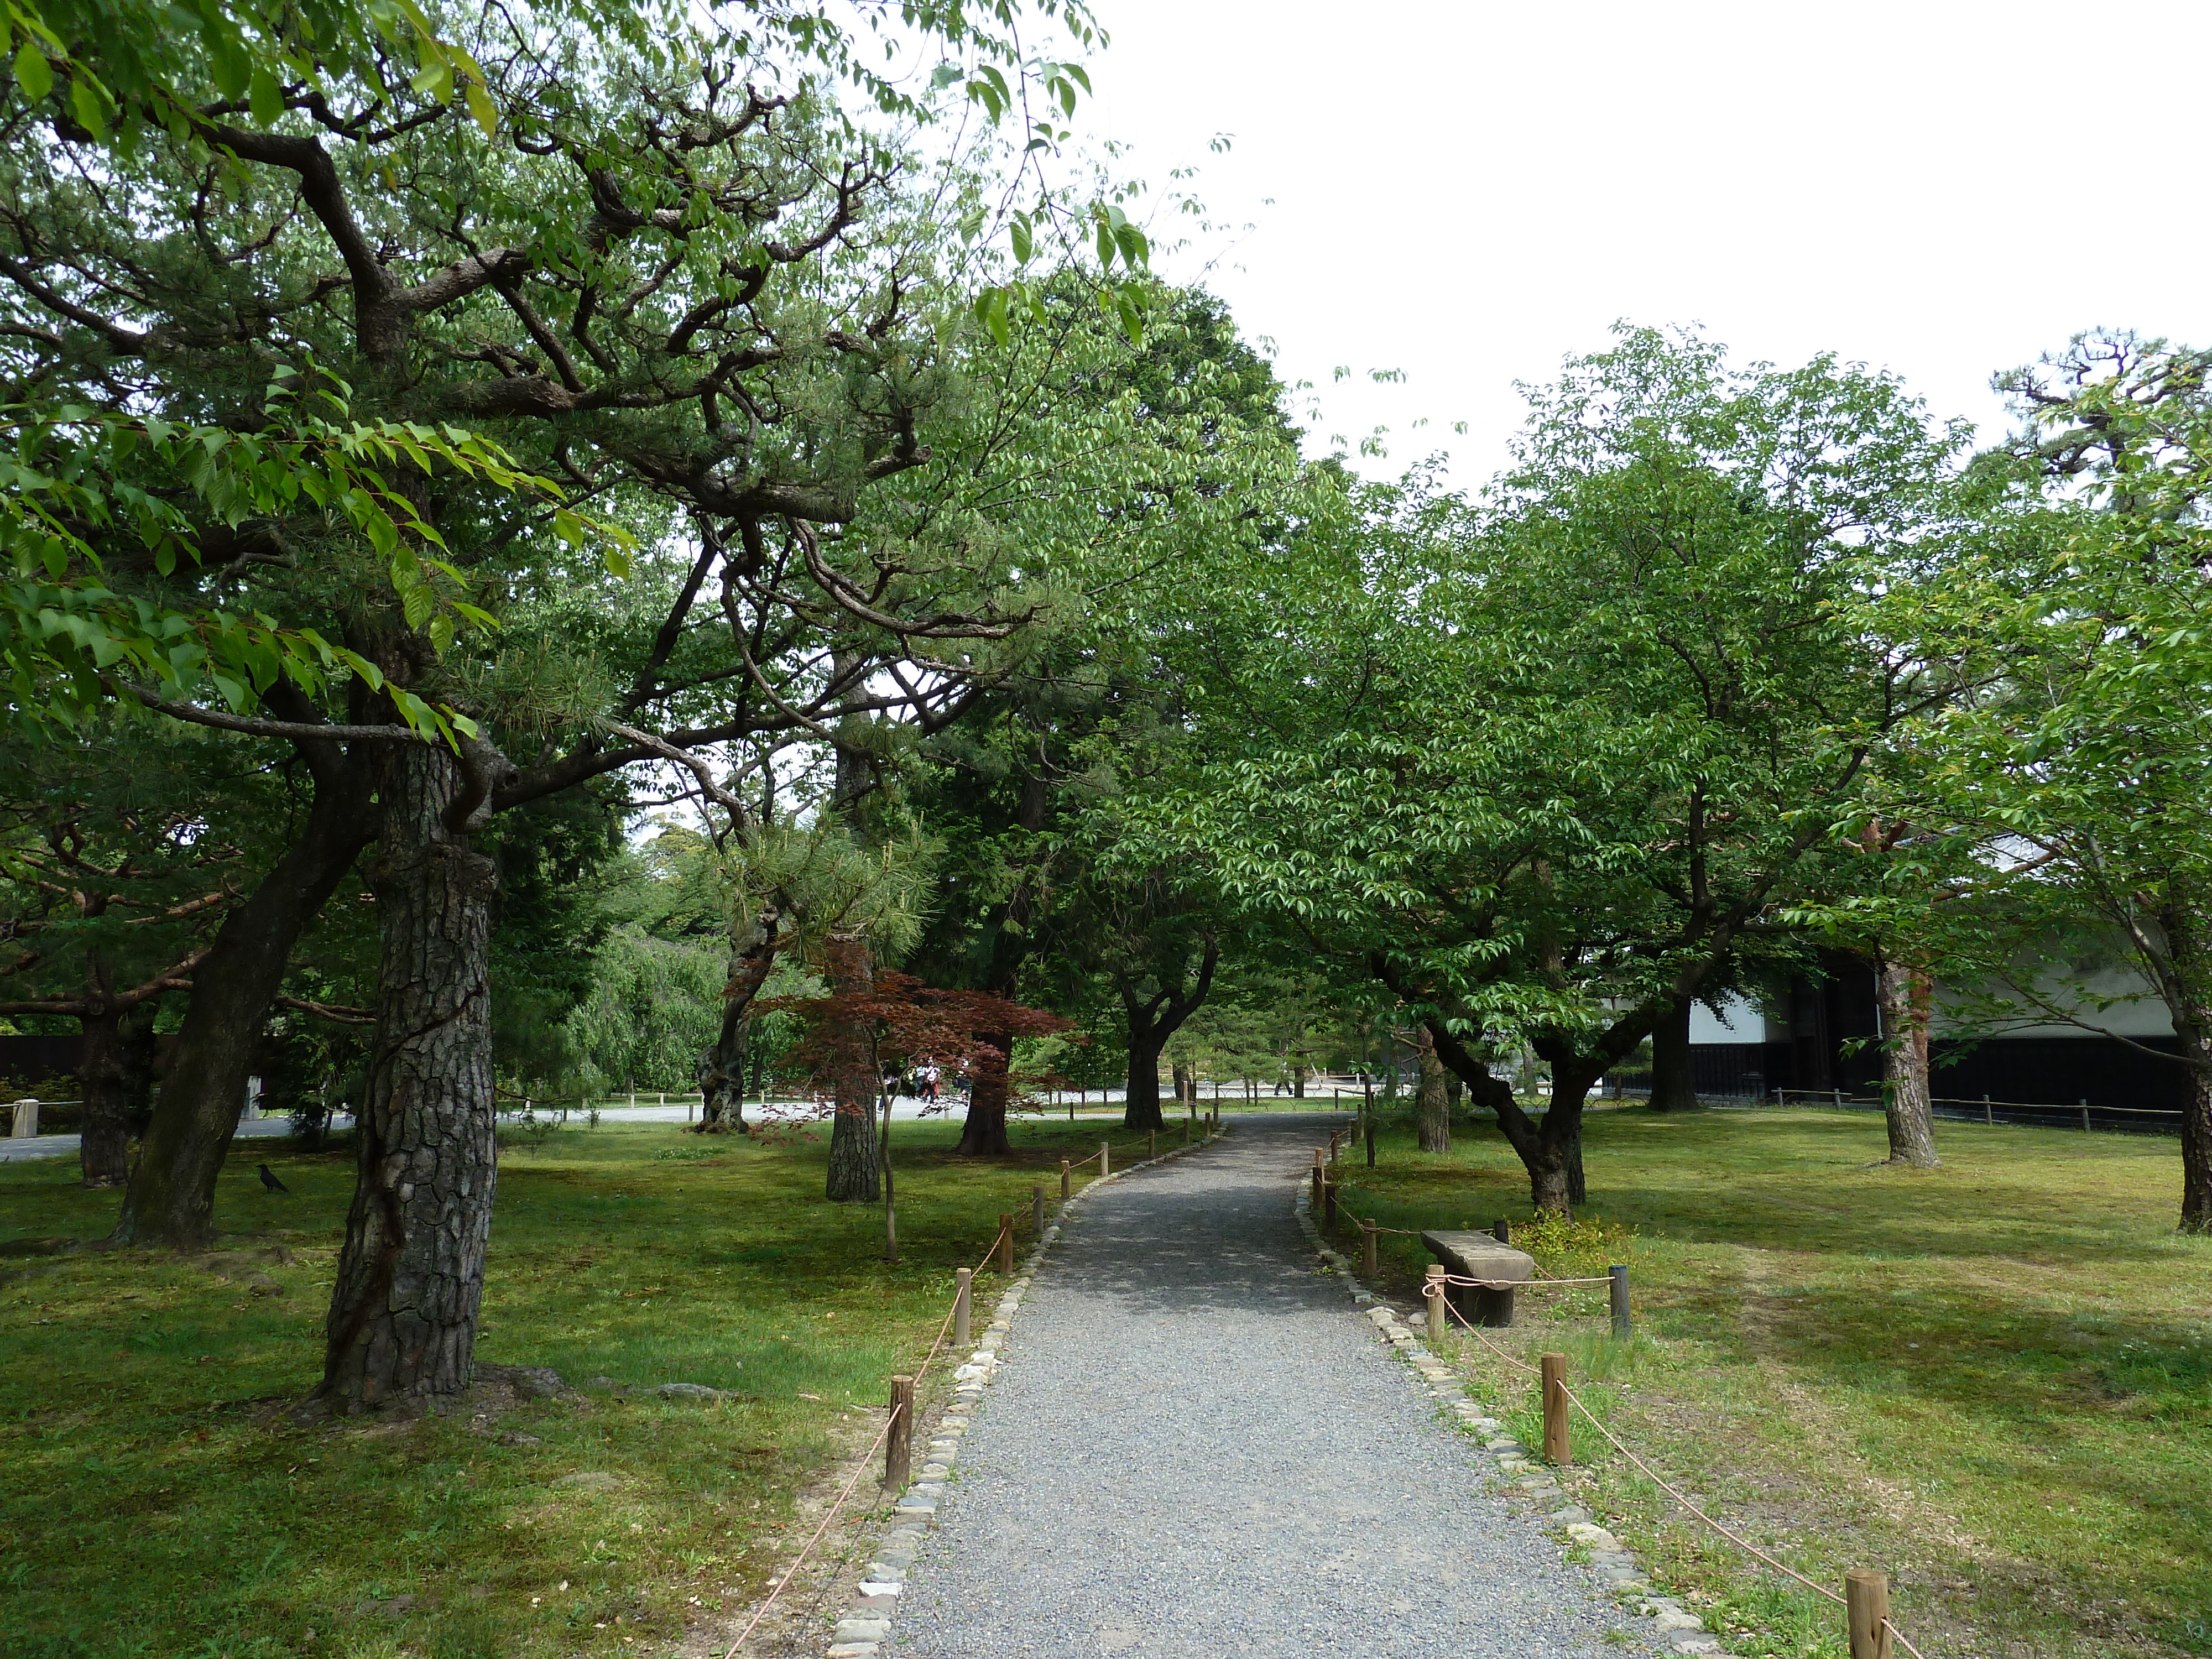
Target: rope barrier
point(828, 1517)
point(944, 1330)
point(1659, 1480)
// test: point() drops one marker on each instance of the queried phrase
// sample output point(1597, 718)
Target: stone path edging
point(862, 1632)
point(1667, 1626)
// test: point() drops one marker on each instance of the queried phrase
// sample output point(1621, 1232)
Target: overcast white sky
point(1469, 191)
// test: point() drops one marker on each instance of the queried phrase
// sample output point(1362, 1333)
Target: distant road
point(15, 1151)
point(905, 1108)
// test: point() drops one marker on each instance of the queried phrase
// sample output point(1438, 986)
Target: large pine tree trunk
point(1433, 1113)
point(984, 1134)
point(103, 1076)
point(410, 1277)
point(171, 1199)
point(1903, 994)
point(855, 1167)
point(1672, 1087)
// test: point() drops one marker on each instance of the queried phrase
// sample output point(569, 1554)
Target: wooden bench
point(1479, 1255)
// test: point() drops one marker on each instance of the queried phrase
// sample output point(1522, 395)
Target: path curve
point(1197, 1446)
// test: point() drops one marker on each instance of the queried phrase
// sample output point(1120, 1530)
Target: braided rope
point(1661, 1481)
point(830, 1515)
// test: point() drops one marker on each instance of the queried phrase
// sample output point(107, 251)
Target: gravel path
point(1197, 1446)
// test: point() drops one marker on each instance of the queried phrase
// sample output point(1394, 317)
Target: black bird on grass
point(270, 1181)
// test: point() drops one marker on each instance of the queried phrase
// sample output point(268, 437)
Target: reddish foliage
point(910, 1023)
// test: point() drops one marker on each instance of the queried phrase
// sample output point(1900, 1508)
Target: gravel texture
point(1197, 1445)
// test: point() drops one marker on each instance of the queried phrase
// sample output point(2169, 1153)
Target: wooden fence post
point(1067, 1180)
point(1036, 1209)
point(1328, 1205)
point(1558, 1448)
point(1989, 1117)
point(1105, 1154)
point(1436, 1301)
point(1619, 1289)
point(1006, 1245)
point(1502, 1230)
point(1368, 1255)
point(898, 1445)
point(963, 1302)
point(1370, 1140)
point(1866, 1607)
point(1151, 1142)
point(2085, 1117)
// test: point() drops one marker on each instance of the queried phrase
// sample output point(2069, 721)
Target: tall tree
point(1554, 761)
point(704, 303)
point(2084, 760)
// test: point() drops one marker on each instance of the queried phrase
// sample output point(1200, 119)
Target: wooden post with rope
point(963, 1302)
point(1067, 1180)
point(1037, 1210)
point(1151, 1142)
point(898, 1445)
point(1104, 1156)
point(1368, 1255)
point(1866, 1607)
point(1328, 1205)
point(1558, 1450)
point(1434, 1298)
point(1618, 1292)
point(1005, 1245)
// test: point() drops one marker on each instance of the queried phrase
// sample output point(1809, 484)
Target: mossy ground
point(154, 1502)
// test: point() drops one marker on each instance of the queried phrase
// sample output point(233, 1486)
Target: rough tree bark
point(410, 1277)
point(171, 1197)
point(1673, 1089)
point(2197, 1146)
point(1433, 1114)
point(722, 1067)
point(1140, 1105)
point(1153, 1021)
point(984, 1134)
point(2186, 984)
point(1904, 991)
point(855, 1168)
point(103, 1075)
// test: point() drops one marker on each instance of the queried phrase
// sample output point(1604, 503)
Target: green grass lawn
point(153, 1503)
point(1993, 1379)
